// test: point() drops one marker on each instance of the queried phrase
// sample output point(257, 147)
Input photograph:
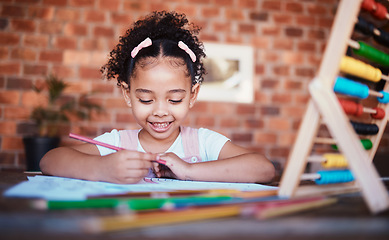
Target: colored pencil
point(207, 192)
point(131, 221)
point(136, 204)
point(263, 210)
point(172, 193)
point(92, 141)
point(256, 194)
point(281, 208)
point(153, 201)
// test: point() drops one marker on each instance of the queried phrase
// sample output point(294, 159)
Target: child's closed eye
point(175, 101)
point(145, 101)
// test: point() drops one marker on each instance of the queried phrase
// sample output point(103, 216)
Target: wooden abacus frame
point(323, 107)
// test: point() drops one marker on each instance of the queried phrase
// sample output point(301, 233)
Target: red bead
point(368, 5)
point(380, 11)
point(351, 107)
point(380, 114)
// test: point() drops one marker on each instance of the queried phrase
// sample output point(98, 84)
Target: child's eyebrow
point(142, 90)
point(177, 91)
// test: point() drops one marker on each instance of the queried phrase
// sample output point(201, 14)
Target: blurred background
point(71, 39)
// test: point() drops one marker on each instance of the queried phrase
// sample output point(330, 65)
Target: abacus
point(341, 82)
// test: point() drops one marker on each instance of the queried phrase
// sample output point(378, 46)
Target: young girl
point(158, 66)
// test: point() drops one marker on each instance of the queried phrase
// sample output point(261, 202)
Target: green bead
point(366, 143)
point(372, 54)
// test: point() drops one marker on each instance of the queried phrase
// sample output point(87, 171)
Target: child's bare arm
point(235, 164)
point(84, 162)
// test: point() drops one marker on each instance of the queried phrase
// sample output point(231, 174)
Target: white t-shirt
point(210, 144)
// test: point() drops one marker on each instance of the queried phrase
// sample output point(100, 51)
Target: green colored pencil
point(133, 203)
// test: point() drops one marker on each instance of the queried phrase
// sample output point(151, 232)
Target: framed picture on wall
point(230, 75)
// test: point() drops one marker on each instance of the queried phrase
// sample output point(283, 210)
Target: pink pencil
point(88, 140)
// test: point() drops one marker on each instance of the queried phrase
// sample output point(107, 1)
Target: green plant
point(48, 118)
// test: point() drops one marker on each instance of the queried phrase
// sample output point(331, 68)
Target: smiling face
point(160, 97)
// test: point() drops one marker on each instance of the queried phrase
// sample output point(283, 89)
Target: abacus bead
point(365, 128)
point(368, 5)
point(384, 98)
point(380, 11)
point(360, 69)
point(380, 114)
point(334, 176)
point(372, 54)
point(383, 38)
point(351, 107)
point(367, 144)
point(365, 27)
point(334, 160)
point(359, 111)
point(349, 87)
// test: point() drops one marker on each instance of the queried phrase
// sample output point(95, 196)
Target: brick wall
point(71, 38)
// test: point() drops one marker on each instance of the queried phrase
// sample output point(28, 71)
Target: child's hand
point(125, 166)
point(175, 167)
point(161, 170)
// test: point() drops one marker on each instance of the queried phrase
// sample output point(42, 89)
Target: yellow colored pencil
point(277, 211)
point(256, 194)
point(172, 193)
point(262, 210)
point(131, 221)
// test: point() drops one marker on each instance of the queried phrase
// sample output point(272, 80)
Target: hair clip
point(185, 47)
point(145, 43)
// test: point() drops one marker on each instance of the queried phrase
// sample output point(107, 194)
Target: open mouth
point(160, 126)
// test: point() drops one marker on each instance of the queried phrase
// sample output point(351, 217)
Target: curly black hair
point(165, 29)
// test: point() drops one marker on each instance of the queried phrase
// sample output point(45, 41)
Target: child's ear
point(126, 94)
point(193, 95)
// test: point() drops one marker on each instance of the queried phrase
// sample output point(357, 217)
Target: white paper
point(58, 188)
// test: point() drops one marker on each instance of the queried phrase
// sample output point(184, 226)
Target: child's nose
point(160, 109)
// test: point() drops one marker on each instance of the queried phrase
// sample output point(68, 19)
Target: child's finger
point(159, 160)
point(137, 164)
point(155, 165)
point(137, 173)
point(140, 155)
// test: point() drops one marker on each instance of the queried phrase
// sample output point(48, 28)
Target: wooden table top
point(349, 218)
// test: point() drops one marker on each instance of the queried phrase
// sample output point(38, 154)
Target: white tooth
point(161, 125)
